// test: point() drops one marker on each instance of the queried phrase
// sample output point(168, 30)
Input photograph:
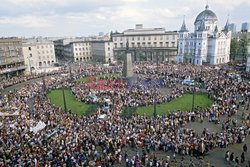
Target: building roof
point(183, 27)
point(206, 15)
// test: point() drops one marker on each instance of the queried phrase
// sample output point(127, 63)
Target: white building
point(207, 44)
point(102, 51)
point(149, 42)
point(38, 54)
point(80, 51)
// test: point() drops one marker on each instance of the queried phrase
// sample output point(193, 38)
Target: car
point(188, 82)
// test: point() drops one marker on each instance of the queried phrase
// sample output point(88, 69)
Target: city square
point(144, 97)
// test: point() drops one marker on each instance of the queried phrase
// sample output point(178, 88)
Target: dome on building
point(206, 15)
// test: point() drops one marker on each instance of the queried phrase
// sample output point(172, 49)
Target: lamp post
point(193, 96)
point(157, 68)
point(64, 100)
point(248, 105)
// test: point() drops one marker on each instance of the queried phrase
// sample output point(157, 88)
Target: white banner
point(41, 125)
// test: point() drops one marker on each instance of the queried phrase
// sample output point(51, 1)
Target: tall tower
point(127, 65)
point(183, 34)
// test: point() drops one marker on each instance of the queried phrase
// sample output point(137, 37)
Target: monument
point(127, 66)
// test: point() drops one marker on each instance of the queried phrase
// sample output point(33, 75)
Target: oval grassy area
point(183, 103)
point(77, 107)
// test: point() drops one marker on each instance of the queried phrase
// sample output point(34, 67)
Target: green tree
point(120, 57)
point(243, 47)
point(234, 48)
point(185, 57)
point(142, 57)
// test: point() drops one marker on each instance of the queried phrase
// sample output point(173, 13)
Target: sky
point(54, 18)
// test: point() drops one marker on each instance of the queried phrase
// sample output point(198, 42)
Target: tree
point(120, 57)
point(142, 57)
point(243, 47)
point(185, 58)
point(234, 48)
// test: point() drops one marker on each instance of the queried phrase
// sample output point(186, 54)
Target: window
point(149, 38)
point(161, 44)
point(115, 39)
point(167, 37)
point(75, 49)
point(173, 37)
point(161, 37)
point(37, 47)
point(133, 38)
point(143, 38)
point(138, 38)
point(173, 44)
point(108, 48)
point(31, 55)
point(29, 48)
point(167, 44)
point(155, 38)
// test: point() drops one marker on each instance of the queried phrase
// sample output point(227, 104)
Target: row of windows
point(80, 49)
point(46, 63)
point(81, 44)
point(167, 37)
point(42, 46)
point(43, 52)
point(83, 58)
point(83, 53)
point(149, 44)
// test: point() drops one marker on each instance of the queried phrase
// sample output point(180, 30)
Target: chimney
point(139, 26)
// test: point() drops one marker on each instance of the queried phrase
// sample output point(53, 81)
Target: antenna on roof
point(207, 5)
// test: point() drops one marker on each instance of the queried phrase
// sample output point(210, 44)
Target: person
point(242, 160)
point(232, 157)
point(237, 160)
point(227, 156)
point(245, 147)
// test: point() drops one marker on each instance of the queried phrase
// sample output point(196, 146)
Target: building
point(148, 43)
point(38, 54)
point(11, 57)
point(207, 45)
point(102, 51)
point(63, 49)
point(248, 57)
point(245, 27)
point(80, 51)
point(232, 27)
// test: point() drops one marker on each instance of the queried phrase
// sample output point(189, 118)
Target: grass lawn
point(107, 75)
point(183, 103)
point(56, 97)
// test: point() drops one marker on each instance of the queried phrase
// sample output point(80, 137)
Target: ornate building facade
point(154, 44)
point(207, 45)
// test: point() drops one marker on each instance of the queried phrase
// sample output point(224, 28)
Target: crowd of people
point(67, 139)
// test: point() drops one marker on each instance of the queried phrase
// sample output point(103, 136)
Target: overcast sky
point(88, 17)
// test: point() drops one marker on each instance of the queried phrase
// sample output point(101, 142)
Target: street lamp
point(248, 106)
point(157, 71)
point(193, 96)
point(64, 100)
